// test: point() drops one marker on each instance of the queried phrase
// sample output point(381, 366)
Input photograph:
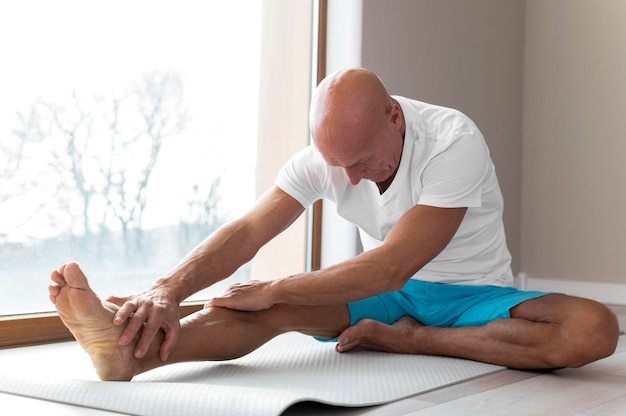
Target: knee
point(590, 334)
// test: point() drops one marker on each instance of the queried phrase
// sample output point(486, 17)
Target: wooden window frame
point(45, 328)
point(316, 213)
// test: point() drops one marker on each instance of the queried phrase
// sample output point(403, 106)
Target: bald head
point(357, 125)
point(348, 99)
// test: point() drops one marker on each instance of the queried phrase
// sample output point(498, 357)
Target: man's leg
point(210, 334)
point(548, 332)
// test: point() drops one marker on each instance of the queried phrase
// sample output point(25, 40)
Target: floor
point(596, 389)
point(592, 390)
point(586, 391)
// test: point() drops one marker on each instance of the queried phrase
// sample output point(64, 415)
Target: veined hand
point(254, 295)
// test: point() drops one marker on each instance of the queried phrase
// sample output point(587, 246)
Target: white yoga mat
point(289, 369)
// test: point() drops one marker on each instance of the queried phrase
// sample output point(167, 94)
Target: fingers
point(170, 341)
point(146, 319)
point(118, 301)
point(127, 310)
point(135, 316)
point(217, 301)
point(150, 329)
point(249, 296)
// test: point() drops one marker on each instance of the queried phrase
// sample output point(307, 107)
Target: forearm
point(232, 245)
point(355, 279)
point(214, 259)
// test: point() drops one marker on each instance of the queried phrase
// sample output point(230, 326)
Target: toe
point(54, 291)
point(58, 279)
point(74, 276)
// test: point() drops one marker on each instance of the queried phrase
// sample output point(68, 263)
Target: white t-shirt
point(445, 163)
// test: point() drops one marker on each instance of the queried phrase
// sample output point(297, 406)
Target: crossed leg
point(211, 334)
point(553, 331)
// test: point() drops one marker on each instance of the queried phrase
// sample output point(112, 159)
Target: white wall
point(574, 147)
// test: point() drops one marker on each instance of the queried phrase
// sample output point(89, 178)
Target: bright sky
point(51, 48)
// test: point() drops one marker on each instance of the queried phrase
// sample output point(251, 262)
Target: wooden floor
point(596, 389)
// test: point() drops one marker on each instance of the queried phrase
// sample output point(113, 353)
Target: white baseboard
point(609, 293)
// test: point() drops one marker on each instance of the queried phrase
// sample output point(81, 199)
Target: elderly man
point(434, 278)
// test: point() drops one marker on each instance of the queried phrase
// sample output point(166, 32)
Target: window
point(130, 131)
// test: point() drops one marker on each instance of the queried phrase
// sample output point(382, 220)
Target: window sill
point(47, 328)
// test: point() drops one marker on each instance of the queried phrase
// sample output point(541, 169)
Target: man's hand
point(147, 313)
point(254, 295)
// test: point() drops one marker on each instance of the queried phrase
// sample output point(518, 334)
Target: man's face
point(357, 126)
point(373, 157)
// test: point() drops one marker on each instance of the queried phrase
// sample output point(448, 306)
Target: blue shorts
point(442, 305)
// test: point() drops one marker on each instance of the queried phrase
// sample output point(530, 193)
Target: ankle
point(417, 336)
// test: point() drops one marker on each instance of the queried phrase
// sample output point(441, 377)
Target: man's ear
point(395, 115)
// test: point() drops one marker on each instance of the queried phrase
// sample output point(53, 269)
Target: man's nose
point(355, 175)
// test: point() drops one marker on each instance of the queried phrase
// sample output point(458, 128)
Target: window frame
point(45, 328)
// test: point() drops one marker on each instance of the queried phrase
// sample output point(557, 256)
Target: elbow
point(397, 285)
point(399, 267)
point(392, 276)
point(396, 282)
point(383, 272)
point(400, 272)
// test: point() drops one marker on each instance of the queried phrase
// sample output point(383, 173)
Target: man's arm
point(216, 258)
point(234, 244)
point(418, 237)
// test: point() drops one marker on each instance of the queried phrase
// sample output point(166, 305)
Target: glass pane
point(127, 134)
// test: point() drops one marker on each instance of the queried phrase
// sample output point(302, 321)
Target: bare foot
point(370, 335)
point(91, 322)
